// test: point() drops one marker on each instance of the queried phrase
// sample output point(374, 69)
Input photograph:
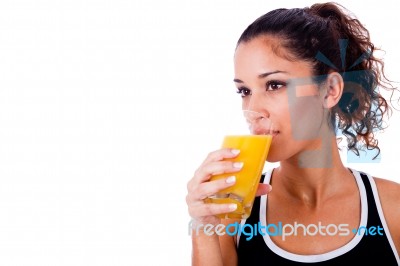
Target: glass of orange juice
point(254, 149)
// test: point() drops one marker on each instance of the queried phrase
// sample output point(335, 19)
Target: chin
point(272, 160)
point(273, 157)
point(276, 154)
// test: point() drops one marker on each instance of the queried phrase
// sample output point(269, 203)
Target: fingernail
point(238, 165)
point(235, 151)
point(270, 187)
point(232, 206)
point(231, 179)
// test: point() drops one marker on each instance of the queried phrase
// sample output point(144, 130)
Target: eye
point(274, 85)
point(243, 91)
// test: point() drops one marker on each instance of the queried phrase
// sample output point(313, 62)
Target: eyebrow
point(263, 75)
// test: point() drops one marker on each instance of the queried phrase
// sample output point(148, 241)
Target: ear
point(334, 88)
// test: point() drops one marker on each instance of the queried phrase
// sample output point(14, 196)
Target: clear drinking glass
point(254, 147)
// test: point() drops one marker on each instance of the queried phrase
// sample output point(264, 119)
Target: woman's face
point(283, 91)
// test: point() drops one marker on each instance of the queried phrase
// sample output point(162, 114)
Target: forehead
point(266, 54)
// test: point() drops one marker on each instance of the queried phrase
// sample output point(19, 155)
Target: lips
point(259, 129)
point(275, 132)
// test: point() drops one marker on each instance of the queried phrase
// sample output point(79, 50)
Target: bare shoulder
point(389, 195)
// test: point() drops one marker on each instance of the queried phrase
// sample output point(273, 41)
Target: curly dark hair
point(331, 39)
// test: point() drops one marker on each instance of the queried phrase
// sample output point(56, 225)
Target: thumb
point(263, 189)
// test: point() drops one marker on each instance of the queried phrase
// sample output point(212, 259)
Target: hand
point(199, 187)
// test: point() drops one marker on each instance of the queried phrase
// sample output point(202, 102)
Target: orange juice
point(253, 153)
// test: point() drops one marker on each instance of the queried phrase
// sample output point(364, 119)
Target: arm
point(214, 249)
point(211, 249)
point(207, 249)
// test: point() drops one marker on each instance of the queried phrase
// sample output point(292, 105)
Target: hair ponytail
point(360, 110)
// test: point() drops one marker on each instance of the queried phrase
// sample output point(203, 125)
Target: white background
point(106, 110)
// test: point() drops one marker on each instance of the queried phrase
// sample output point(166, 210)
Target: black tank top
point(363, 249)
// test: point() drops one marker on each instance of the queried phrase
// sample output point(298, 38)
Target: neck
point(313, 177)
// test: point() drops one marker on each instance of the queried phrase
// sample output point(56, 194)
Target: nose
point(258, 123)
point(257, 103)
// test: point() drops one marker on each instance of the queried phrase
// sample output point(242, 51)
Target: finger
point(198, 188)
point(205, 172)
point(208, 189)
point(208, 209)
point(263, 189)
point(221, 154)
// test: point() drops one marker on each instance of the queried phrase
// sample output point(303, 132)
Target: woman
point(312, 71)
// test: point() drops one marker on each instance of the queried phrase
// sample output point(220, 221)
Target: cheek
point(300, 120)
point(306, 117)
